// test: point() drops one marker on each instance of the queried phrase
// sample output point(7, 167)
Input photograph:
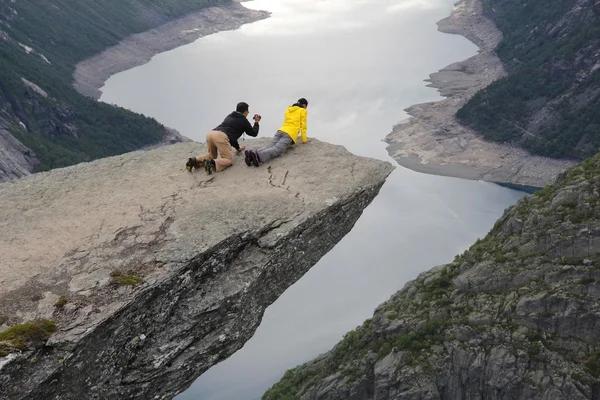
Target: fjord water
point(359, 63)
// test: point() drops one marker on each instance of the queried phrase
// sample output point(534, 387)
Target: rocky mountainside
point(16, 160)
point(549, 103)
point(127, 277)
point(433, 141)
point(44, 122)
point(517, 316)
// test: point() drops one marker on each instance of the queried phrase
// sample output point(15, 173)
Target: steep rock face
point(151, 274)
point(34, 111)
point(515, 317)
point(16, 160)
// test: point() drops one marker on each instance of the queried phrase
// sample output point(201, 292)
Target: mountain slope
point(550, 101)
point(40, 43)
point(516, 316)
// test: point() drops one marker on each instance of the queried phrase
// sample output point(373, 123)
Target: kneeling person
point(222, 138)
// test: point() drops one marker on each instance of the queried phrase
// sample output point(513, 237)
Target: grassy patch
point(529, 256)
point(570, 261)
point(546, 314)
point(586, 380)
point(355, 346)
point(546, 194)
point(488, 248)
point(287, 388)
point(534, 336)
point(575, 217)
point(534, 349)
point(23, 336)
point(571, 204)
point(430, 334)
point(436, 289)
point(392, 314)
point(352, 373)
point(60, 303)
point(129, 278)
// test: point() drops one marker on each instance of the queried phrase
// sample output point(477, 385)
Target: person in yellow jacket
point(294, 124)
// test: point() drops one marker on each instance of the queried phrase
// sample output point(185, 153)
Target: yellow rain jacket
point(295, 122)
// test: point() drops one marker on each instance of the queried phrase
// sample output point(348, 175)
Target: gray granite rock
point(200, 257)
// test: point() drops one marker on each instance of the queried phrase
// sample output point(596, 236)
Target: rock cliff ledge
point(128, 277)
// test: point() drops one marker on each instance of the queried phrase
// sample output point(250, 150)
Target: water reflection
point(359, 63)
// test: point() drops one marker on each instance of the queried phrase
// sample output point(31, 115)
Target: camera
point(255, 116)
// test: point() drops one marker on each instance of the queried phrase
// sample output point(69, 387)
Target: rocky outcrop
point(135, 276)
point(16, 159)
point(516, 316)
point(172, 137)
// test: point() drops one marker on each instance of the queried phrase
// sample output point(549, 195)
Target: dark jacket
point(234, 125)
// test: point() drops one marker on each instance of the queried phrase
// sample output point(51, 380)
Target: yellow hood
point(295, 122)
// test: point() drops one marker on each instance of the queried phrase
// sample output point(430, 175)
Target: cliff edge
point(127, 277)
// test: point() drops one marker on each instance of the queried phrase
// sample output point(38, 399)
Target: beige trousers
point(218, 141)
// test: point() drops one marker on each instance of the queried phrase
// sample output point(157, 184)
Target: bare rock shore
point(138, 49)
point(432, 141)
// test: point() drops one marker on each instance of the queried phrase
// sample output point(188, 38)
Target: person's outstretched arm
point(253, 130)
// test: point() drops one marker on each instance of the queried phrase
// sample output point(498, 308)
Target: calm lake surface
point(359, 63)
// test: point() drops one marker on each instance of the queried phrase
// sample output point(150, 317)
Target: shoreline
point(138, 49)
point(432, 141)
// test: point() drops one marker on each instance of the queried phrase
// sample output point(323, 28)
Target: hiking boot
point(247, 157)
point(192, 163)
point(254, 159)
point(210, 166)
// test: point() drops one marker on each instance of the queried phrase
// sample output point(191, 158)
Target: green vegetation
point(544, 65)
point(355, 346)
point(441, 285)
point(60, 303)
point(546, 314)
point(125, 278)
point(431, 317)
point(570, 261)
point(66, 128)
point(534, 349)
point(20, 337)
